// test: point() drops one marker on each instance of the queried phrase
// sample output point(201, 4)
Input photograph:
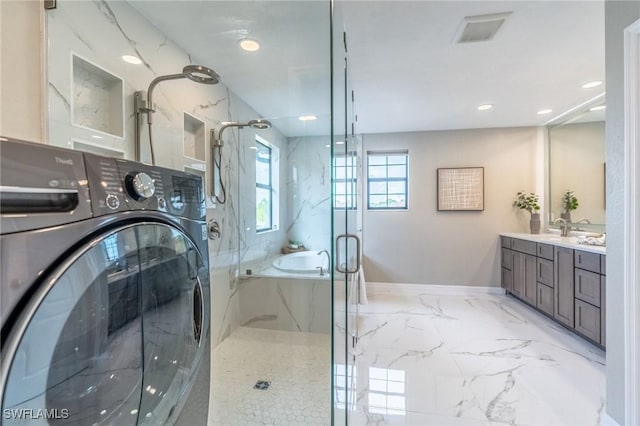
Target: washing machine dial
point(139, 185)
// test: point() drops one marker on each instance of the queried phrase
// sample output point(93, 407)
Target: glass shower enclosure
point(284, 271)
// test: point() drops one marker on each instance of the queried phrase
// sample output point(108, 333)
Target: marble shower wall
point(98, 33)
point(309, 191)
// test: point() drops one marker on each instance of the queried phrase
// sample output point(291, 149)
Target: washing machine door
point(113, 336)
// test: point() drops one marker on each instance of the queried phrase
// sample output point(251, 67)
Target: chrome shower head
point(260, 124)
point(201, 74)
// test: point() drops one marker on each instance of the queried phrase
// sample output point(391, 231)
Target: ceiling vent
point(480, 27)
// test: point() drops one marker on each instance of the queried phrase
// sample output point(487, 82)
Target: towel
point(592, 240)
point(358, 288)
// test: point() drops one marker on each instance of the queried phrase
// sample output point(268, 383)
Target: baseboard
point(445, 290)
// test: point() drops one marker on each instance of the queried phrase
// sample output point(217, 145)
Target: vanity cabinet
point(589, 294)
point(520, 268)
point(566, 284)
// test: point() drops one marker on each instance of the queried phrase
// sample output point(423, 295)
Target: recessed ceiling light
point(545, 111)
point(598, 108)
point(132, 59)
point(340, 143)
point(328, 146)
point(485, 107)
point(96, 136)
point(307, 117)
point(592, 84)
point(249, 44)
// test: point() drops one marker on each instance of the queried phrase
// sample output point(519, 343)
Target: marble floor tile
point(499, 362)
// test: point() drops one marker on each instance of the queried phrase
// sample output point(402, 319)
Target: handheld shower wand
point(216, 154)
point(196, 73)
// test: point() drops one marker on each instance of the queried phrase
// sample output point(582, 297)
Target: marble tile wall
point(309, 191)
point(101, 32)
point(287, 304)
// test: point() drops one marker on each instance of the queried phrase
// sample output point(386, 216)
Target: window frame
point(351, 184)
point(388, 179)
point(261, 145)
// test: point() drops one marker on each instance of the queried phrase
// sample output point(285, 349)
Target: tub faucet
point(564, 227)
point(328, 260)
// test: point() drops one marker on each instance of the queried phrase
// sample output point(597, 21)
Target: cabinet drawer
point(587, 320)
point(505, 242)
point(545, 299)
point(603, 264)
point(587, 287)
point(544, 272)
point(524, 246)
point(545, 251)
point(507, 259)
point(588, 261)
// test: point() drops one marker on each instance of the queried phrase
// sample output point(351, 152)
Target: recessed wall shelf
point(97, 98)
point(94, 148)
point(194, 137)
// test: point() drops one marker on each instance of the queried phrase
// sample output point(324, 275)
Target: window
point(264, 188)
point(345, 181)
point(387, 180)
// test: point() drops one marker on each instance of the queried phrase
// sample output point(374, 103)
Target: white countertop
point(556, 240)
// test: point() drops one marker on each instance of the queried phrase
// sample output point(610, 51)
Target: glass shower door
point(346, 224)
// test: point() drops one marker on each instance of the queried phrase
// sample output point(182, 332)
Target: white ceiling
point(407, 72)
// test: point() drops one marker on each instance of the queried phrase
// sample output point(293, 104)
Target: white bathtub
point(304, 262)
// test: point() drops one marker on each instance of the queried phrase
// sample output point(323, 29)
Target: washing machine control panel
point(121, 185)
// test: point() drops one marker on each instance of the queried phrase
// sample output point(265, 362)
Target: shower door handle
point(346, 269)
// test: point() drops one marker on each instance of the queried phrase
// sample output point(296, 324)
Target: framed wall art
point(461, 189)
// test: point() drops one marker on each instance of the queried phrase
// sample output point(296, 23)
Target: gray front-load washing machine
point(104, 290)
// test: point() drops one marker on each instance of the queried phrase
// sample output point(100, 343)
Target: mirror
point(577, 165)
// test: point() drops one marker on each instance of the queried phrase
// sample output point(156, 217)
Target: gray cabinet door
point(530, 279)
point(603, 310)
point(518, 274)
point(507, 279)
point(545, 299)
point(563, 303)
point(587, 320)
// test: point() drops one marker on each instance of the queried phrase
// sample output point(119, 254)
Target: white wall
point(618, 16)
point(21, 70)
point(422, 245)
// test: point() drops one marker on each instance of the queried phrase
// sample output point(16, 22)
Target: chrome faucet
point(582, 220)
point(328, 261)
point(564, 227)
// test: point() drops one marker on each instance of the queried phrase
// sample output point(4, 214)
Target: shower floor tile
point(297, 365)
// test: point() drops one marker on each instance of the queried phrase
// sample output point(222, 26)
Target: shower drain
point(262, 385)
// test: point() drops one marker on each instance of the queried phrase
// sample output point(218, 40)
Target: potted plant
point(569, 203)
point(529, 202)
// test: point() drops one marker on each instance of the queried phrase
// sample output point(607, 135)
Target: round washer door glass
point(114, 335)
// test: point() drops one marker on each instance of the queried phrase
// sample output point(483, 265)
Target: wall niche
point(97, 98)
